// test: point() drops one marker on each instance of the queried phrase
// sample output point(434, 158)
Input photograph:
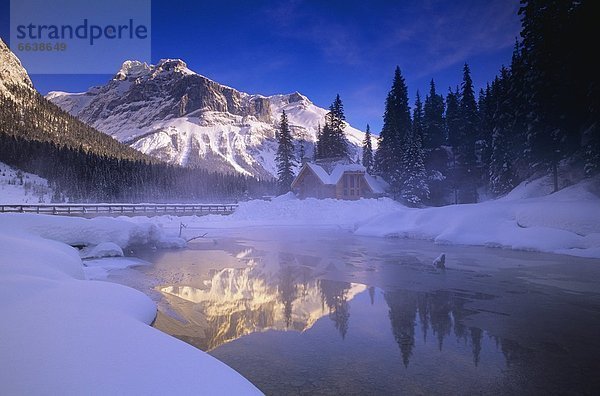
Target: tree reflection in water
point(335, 296)
point(440, 311)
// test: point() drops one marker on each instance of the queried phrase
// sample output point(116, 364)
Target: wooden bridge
point(92, 210)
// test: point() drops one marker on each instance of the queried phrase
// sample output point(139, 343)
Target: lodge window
point(351, 185)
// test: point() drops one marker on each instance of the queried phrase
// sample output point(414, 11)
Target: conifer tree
point(415, 190)
point(396, 125)
point(301, 153)
point(485, 128)
point(333, 143)
point(500, 173)
point(418, 123)
point(367, 154)
point(285, 156)
point(434, 134)
point(316, 148)
point(453, 121)
point(517, 134)
point(453, 117)
point(469, 121)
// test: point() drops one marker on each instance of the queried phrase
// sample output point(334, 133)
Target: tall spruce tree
point(467, 158)
point(453, 121)
point(501, 175)
point(418, 122)
point(367, 153)
point(285, 158)
point(485, 128)
point(396, 125)
point(434, 134)
point(517, 134)
point(453, 117)
point(333, 143)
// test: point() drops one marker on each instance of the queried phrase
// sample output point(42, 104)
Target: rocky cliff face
point(168, 111)
point(11, 70)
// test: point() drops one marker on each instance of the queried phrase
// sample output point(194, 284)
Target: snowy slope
point(168, 111)
point(21, 187)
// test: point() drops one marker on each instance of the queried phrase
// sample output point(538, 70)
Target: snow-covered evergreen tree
point(367, 154)
point(415, 190)
point(501, 175)
point(396, 124)
point(301, 153)
point(285, 158)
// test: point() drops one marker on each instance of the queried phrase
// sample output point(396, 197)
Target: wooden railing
point(120, 209)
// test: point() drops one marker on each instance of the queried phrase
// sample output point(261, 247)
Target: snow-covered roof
point(377, 184)
point(320, 173)
point(339, 170)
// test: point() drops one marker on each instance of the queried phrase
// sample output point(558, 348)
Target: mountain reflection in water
point(283, 292)
point(233, 302)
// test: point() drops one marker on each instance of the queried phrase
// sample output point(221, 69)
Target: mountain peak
point(171, 64)
point(133, 69)
point(298, 97)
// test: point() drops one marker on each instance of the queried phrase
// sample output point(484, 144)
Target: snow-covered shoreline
point(62, 334)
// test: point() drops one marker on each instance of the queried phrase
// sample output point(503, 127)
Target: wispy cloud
point(436, 34)
point(466, 30)
point(296, 20)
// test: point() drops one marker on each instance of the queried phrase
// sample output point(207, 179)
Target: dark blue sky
point(321, 48)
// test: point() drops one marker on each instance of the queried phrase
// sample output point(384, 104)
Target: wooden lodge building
point(345, 181)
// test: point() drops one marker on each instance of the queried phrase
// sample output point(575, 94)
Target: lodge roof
point(377, 184)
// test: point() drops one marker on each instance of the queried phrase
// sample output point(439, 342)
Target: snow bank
point(77, 231)
point(61, 334)
point(287, 210)
point(567, 222)
point(104, 249)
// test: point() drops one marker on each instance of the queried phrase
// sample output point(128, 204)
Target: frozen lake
point(317, 311)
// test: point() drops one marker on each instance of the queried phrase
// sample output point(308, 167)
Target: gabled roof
point(340, 169)
point(376, 184)
point(319, 172)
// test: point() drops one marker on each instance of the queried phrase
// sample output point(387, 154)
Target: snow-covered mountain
point(168, 111)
